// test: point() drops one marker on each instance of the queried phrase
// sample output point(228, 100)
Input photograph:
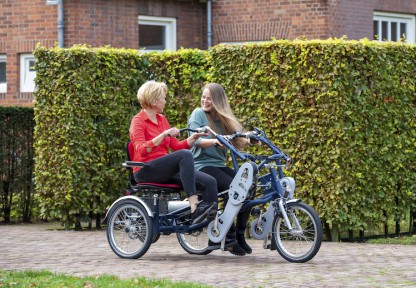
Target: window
point(27, 73)
point(157, 33)
point(393, 27)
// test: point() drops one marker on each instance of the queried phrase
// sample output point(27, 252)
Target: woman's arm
point(195, 136)
point(197, 120)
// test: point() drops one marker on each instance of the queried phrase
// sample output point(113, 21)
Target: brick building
point(170, 24)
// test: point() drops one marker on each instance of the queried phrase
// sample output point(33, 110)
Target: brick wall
point(352, 18)
point(23, 24)
point(101, 22)
point(115, 23)
point(400, 6)
point(257, 20)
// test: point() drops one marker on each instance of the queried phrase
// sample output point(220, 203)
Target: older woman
point(152, 137)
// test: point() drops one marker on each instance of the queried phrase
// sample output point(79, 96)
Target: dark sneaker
point(204, 210)
point(236, 250)
point(228, 244)
point(242, 241)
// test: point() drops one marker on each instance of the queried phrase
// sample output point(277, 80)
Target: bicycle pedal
point(271, 247)
point(255, 211)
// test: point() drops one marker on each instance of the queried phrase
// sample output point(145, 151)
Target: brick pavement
point(86, 253)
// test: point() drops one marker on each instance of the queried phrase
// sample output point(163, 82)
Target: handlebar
point(197, 130)
point(256, 135)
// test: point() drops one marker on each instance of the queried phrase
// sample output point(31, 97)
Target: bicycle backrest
point(133, 182)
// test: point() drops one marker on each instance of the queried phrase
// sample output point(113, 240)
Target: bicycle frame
point(271, 183)
point(275, 190)
point(165, 223)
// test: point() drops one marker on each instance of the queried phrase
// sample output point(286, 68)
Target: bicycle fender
point(132, 197)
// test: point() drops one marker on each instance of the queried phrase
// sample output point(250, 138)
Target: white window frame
point(398, 18)
point(3, 86)
point(170, 29)
point(27, 77)
point(51, 2)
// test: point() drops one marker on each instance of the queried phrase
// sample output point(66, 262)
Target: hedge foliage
point(345, 110)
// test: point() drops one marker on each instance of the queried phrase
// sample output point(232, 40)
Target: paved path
point(38, 247)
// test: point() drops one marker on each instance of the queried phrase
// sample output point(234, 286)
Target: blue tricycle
point(285, 224)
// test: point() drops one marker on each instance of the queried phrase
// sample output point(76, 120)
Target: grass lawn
point(403, 240)
point(47, 279)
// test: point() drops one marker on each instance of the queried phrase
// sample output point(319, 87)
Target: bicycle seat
point(135, 187)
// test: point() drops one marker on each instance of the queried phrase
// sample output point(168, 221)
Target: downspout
point(209, 23)
point(60, 24)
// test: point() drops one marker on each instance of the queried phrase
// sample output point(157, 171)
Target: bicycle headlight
point(288, 185)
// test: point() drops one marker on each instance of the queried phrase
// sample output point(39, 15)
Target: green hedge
point(84, 104)
point(16, 164)
point(345, 110)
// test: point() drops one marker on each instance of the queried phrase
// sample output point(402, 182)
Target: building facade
point(171, 24)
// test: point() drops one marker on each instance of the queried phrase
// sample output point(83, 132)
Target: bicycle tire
point(195, 243)
point(303, 242)
point(129, 229)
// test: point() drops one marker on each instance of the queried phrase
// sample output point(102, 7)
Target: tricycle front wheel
point(302, 242)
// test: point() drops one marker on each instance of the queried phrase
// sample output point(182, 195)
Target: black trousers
point(179, 168)
point(224, 177)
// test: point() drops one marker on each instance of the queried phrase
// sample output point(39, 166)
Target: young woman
point(152, 137)
point(210, 156)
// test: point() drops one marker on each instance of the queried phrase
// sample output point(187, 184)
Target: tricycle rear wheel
point(129, 229)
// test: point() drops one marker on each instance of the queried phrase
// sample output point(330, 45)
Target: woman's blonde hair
point(222, 111)
point(150, 92)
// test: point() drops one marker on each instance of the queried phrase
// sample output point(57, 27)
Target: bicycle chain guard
point(237, 193)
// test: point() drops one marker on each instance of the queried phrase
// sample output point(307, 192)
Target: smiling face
point(206, 100)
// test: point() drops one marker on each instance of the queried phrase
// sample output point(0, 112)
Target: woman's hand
point(172, 132)
point(195, 136)
point(252, 141)
point(216, 142)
